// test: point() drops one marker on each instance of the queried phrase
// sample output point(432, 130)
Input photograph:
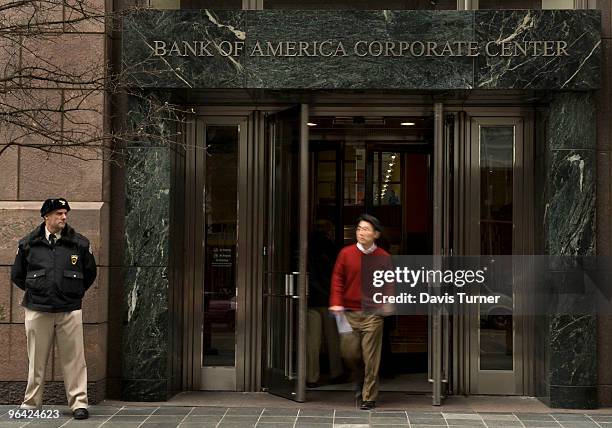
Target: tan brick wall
point(29, 176)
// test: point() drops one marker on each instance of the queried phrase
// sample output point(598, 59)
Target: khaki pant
point(361, 350)
point(320, 322)
point(67, 328)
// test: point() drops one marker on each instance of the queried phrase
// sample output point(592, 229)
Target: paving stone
point(164, 419)
point(128, 418)
point(120, 425)
point(317, 412)
point(203, 419)
point(428, 422)
point(197, 425)
point(158, 425)
point(473, 416)
point(424, 414)
point(572, 424)
point(280, 412)
point(403, 420)
point(245, 411)
point(569, 416)
point(269, 425)
point(348, 421)
point(534, 417)
point(209, 411)
point(427, 426)
point(389, 425)
point(540, 424)
point(313, 425)
point(351, 414)
point(133, 411)
point(172, 411)
point(103, 410)
point(601, 418)
point(465, 422)
point(49, 423)
point(314, 419)
point(499, 417)
point(82, 424)
point(236, 424)
point(351, 425)
point(394, 414)
point(277, 419)
point(239, 419)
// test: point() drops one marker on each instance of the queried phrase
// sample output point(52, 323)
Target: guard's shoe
point(80, 414)
point(367, 405)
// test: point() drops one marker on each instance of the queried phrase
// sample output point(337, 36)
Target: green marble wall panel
point(578, 70)
point(352, 71)
point(146, 260)
point(568, 356)
point(146, 70)
point(147, 206)
point(204, 65)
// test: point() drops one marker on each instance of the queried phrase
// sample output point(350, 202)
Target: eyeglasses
point(364, 229)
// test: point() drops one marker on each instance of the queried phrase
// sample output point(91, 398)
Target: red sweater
point(346, 278)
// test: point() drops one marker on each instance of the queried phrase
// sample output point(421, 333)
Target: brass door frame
point(467, 377)
point(252, 186)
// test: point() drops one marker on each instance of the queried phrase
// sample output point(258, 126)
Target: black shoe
point(367, 405)
point(80, 414)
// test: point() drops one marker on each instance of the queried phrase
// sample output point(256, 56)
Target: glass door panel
point(220, 243)
point(285, 291)
point(217, 355)
point(496, 223)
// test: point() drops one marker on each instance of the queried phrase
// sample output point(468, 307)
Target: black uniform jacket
point(54, 278)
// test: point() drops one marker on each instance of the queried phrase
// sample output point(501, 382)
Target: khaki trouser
point(67, 327)
point(321, 322)
point(361, 349)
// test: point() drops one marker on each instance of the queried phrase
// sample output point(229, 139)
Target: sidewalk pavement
point(244, 410)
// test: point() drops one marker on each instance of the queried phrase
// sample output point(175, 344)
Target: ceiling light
point(407, 123)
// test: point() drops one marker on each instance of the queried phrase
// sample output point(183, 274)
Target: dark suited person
point(54, 266)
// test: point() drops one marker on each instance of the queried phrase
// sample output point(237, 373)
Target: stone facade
point(140, 285)
point(29, 176)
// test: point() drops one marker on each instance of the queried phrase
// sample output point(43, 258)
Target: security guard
point(54, 266)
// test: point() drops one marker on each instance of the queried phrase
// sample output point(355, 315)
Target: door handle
point(290, 290)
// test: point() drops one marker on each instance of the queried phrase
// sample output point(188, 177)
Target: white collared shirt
point(366, 251)
point(47, 233)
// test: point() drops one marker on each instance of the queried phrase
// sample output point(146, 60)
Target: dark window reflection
point(220, 231)
point(496, 198)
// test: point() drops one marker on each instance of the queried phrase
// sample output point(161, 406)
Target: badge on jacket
point(73, 259)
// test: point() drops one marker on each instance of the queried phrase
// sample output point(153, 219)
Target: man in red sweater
point(360, 348)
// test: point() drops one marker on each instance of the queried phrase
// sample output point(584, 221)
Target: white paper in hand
point(343, 324)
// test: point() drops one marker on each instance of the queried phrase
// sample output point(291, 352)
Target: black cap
point(52, 205)
point(372, 220)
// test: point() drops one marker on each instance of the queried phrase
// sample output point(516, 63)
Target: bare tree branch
point(55, 100)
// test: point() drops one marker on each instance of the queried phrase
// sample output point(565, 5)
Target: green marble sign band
point(285, 49)
point(361, 48)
